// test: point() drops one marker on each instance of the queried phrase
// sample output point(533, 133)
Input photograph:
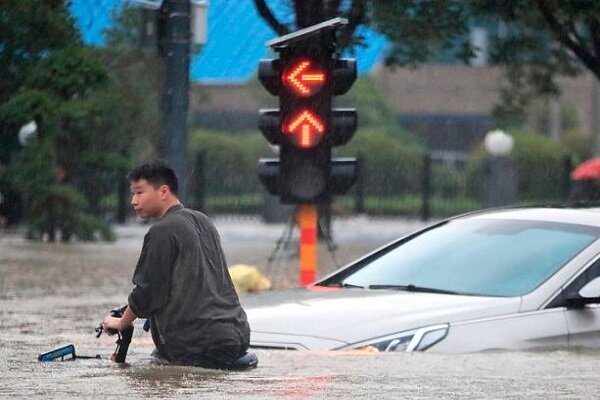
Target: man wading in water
point(181, 279)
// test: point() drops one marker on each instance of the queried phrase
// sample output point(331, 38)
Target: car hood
point(344, 316)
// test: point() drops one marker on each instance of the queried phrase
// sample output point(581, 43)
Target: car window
point(478, 256)
point(574, 287)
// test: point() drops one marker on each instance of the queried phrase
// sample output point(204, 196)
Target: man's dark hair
point(157, 173)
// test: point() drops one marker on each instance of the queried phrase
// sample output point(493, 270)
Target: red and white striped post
point(307, 221)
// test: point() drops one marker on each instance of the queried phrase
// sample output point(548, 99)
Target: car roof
point(579, 215)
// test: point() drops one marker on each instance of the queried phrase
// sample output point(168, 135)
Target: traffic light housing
point(306, 77)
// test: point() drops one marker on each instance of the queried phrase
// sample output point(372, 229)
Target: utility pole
point(176, 89)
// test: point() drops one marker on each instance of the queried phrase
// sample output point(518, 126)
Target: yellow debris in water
point(247, 278)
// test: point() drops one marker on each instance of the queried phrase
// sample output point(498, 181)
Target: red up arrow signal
point(302, 80)
point(305, 128)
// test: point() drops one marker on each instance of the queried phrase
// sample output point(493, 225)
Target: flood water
point(55, 294)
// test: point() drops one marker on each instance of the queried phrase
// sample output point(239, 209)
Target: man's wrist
point(127, 318)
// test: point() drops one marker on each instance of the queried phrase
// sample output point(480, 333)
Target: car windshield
point(477, 256)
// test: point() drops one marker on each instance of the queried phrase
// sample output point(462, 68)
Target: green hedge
point(230, 161)
point(390, 166)
point(541, 167)
point(234, 204)
point(374, 110)
point(409, 205)
point(392, 173)
point(392, 159)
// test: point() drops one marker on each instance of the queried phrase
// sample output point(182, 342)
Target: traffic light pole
point(176, 90)
point(307, 221)
point(306, 77)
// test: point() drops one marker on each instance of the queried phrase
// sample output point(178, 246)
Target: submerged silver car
point(517, 278)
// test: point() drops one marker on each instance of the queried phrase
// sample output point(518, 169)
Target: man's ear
point(164, 190)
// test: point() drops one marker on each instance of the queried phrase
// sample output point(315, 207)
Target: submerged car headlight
point(415, 340)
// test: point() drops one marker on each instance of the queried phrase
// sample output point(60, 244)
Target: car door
point(583, 323)
point(519, 331)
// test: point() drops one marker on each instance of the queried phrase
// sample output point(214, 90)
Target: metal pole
point(567, 167)
point(426, 187)
point(554, 119)
point(359, 204)
point(175, 107)
point(595, 117)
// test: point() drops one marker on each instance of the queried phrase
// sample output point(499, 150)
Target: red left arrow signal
point(304, 77)
point(305, 128)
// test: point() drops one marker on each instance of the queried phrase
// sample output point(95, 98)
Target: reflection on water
point(52, 295)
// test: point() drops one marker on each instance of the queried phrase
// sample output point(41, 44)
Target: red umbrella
point(587, 170)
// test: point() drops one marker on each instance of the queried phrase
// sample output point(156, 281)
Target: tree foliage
point(60, 93)
point(419, 30)
point(310, 12)
point(29, 31)
point(535, 40)
point(541, 165)
point(84, 139)
point(136, 74)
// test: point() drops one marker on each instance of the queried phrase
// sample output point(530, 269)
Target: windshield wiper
point(344, 285)
point(413, 288)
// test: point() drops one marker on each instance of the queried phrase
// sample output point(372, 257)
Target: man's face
point(147, 200)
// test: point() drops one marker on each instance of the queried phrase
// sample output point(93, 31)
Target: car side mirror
point(588, 294)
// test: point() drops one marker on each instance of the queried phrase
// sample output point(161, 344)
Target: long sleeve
point(152, 276)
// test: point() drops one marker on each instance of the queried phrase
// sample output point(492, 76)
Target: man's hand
point(112, 324)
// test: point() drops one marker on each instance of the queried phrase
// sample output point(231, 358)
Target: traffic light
point(306, 77)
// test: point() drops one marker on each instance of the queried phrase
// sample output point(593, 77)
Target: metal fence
point(434, 187)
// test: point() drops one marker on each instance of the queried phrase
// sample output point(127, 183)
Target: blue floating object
point(61, 352)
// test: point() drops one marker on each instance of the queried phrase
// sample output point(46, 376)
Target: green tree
point(408, 23)
point(60, 94)
point(536, 40)
point(541, 168)
point(136, 73)
point(29, 31)
point(51, 78)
